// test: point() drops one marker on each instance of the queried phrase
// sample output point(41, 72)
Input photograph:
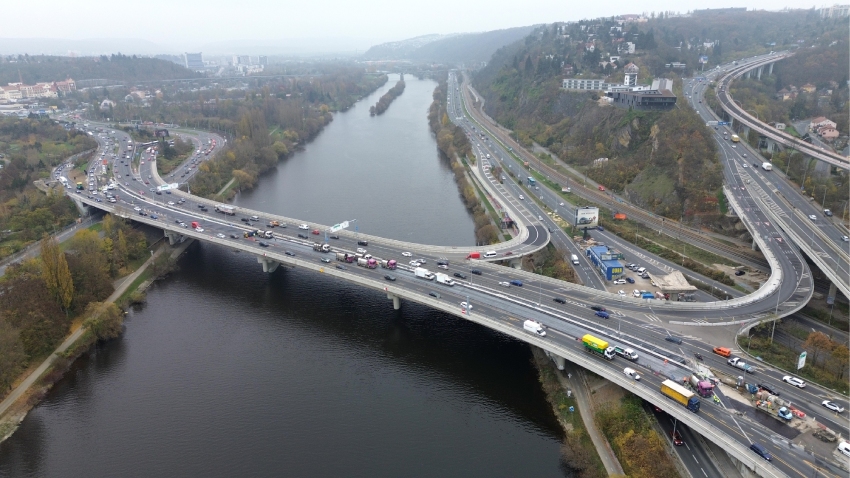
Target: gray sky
point(342, 25)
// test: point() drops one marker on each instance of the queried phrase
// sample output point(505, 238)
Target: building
point(827, 132)
point(20, 91)
point(626, 47)
point(835, 11)
point(821, 121)
point(585, 84)
point(193, 61)
point(66, 86)
point(263, 60)
point(644, 100)
point(606, 261)
point(631, 70)
point(241, 60)
point(808, 88)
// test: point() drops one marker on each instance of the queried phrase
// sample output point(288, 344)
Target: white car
point(303, 226)
point(199, 229)
point(443, 266)
point(833, 406)
point(414, 263)
point(813, 217)
point(561, 204)
point(631, 373)
point(621, 293)
point(170, 203)
point(505, 284)
point(360, 250)
point(522, 197)
point(220, 236)
point(137, 209)
point(619, 281)
point(845, 238)
point(636, 293)
point(466, 306)
point(745, 165)
point(794, 381)
point(406, 254)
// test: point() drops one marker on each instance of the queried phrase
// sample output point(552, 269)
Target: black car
point(244, 219)
point(340, 267)
point(597, 308)
point(334, 236)
point(234, 236)
point(289, 253)
point(460, 275)
point(362, 243)
point(675, 340)
point(302, 236)
point(739, 273)
point(476, 272)
point(559, 300)
point(442, 263)
point(264, 244)
point(767, 388)
point(159, 193)
point(177, 221)
point(200, 206)
point(434, 294)
point(390, 278)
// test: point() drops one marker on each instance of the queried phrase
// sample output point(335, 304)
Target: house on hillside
point(808, 88)
point(828, 132)
point(819, 122)
point(783, 94)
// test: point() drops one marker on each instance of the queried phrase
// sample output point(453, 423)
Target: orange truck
point(620, 216)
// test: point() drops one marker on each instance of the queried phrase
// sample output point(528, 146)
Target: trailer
point(680, 394)
point(598, 346)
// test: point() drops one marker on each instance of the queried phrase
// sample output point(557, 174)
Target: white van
point(534, 328)
point(641, 270)
point(844, 448)
point(574, 259)
point(490, 254)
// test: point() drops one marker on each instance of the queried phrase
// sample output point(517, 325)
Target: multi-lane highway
point(494, 304)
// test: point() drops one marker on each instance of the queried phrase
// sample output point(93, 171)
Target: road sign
point(723, 123)
point(337, 227)
point(801, 361)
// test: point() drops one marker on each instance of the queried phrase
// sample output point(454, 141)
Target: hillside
point(32, 69)
point(465, 47)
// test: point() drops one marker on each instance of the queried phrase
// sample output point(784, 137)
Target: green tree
point(12, 355)
point(55, 273)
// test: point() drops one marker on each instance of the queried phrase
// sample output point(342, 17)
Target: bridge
point(490, 303)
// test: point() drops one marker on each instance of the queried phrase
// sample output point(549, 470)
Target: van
point(761, 451)
point(490, 254)
point(574, 259)
point(722, 351)
point(844, 448)
point(641, 270)
point(534, 328)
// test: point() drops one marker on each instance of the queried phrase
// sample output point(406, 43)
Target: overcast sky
point(344, 25)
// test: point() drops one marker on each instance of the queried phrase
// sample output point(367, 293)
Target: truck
point(534, 328)
point(735, 138)
point(345, 257)
point(627, 354)
point(388, 264)
point(473, 255)
point(225, 209)
point(321, 247)
point(767, 166)
point(423, 273)
point(367, 263)
point(703, 387)
point(598, 346)
point(574, 259)
point(687, 398)
point(444, 279)
point(740, 364)
point(274, 223)
point(195, 224)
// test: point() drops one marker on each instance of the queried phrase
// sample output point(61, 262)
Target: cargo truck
point(767, 166)
point(680, 394)
point(388, 264)
point(444, 279)
point(345, 257)
point(534, 328)
point(627, 354)
point(225, 209)
point(423, 273)
point(321, 247)
point(598, 346)
point(474, 255)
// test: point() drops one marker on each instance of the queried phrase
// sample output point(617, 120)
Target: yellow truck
point(680, 394)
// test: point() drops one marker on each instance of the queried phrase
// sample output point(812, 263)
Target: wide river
point(227, 372)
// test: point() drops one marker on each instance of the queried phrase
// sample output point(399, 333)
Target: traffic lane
point(701, 466)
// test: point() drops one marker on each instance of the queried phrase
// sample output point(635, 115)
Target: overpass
point(499, 307)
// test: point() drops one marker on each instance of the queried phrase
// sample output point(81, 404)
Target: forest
point(131, 69)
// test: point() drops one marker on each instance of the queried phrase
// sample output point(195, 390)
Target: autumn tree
point(11, 355)
point(816, 344)
point(55, 273)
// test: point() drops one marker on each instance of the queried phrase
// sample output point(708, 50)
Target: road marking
point(704, 473)
point(652, 317)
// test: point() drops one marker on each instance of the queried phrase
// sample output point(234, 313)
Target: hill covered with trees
point(33, 69)
point(474, 47)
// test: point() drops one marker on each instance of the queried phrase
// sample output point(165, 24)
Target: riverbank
point(34, 384)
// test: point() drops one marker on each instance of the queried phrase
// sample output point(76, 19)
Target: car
point(406, 254)
point(516, 282)
point(414, 263)
point(434, 294)
point(332, 236)
point(813, 217)
point(220, 236)
point(509, 253)
point(171, 203)
point(390, 277)
point(760, 451)
point(159, 193)
point(442, 266)
point(561, 204)
point(600, 228)
point(677, 437)
point(746, 166)
point(521, 197)
point(303, 227)
point(636, 293)
point(597, 308)
point(833, 406)
point(630, 280)
point(601, 188)
point(744, 155)
point(289, 253)
point(341, 267)
point(466, 305)
point(505, 284)
point(845, 238)
point(621, 293)
point(326, 260)
point(674, 339)
point(559, 300)
point(460, 275)
point(794, 381)
point(734, 146)
point(245, 219)
point(201, 229)
point(302, 236)
point(234, 236)
point(769, 389)
point(315, 232)
point(475, 271)
point(421, 261)
point(265, 244)
point(137, 209)
point(177, 221)
point(619, 281)
point(739, 273)
point(630, 372)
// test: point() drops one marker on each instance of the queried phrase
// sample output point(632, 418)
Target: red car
point(509, 253)
point(601, 188)
point(316, 232)
point(677, 438)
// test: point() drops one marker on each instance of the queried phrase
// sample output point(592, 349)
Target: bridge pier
point(269, 265)
point(81, 206)
point(755, 246)
point(173, 237)
point(770, 68)
point(830, 296)
point(560, 362)
point(759, 72)
point(395, 299)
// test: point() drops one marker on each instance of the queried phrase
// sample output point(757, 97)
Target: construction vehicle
point(388, 264)
point(321, 247)
point(367, 263)
point(345, 257)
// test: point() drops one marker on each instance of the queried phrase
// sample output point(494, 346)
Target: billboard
point(703, 59)
point(801, 360)
point(337, 227)
point(587, 217)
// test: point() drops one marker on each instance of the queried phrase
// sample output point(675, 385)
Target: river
point(226, 371)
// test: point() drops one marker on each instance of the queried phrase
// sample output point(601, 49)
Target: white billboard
point(587, 217)
point(801, 360)
point(337, 227)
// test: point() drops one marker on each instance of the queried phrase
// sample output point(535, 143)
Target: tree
point(55, 273)
point(816, 344)
point(840, 360)
point(11, 355)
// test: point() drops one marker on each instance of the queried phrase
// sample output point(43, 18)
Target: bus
point(531, 181)
point(80, 186)
point(735, 138)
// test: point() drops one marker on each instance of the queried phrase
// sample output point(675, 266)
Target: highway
point(494, 305)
